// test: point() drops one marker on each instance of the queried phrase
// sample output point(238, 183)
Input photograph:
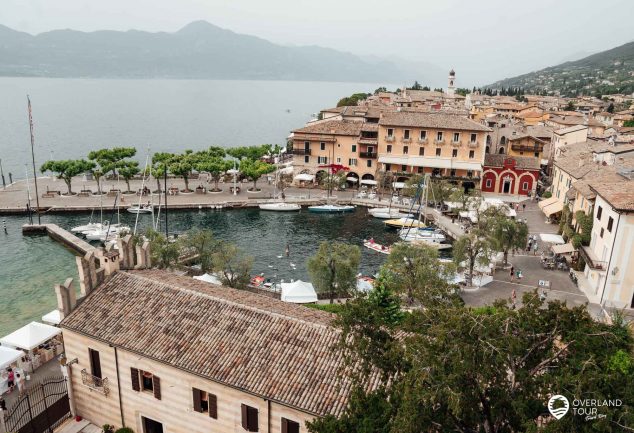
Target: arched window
point(487, 149)
point(501, 151)
point(489, 140)
point(503, 140)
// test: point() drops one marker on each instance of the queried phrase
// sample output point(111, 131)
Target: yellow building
point(350, 143)
point(444, 145)
point(160, 353)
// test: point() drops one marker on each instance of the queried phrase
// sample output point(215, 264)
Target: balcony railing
point(389, 138)
point(367, 154)
point(456, 143)
point(95, 383)
point(422, 140)
point(473, 144)
point(300, 151)
point(591, 260)
point(525, 148)
point(406, 140)
point(441, 141)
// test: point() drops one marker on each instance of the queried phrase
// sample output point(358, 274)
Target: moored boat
point(280, 207)
point(140, 209)
point(383, 249)
point(405, 223)
point(415, 234)
point(330, 208)
point(386, 213)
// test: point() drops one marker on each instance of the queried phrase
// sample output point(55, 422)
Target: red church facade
point(513, 175)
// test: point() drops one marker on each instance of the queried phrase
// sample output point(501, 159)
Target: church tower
point(451, 88)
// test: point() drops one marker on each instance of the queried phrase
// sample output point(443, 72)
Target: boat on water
point(139, 209)
point(383, 249)
point(433, 243)
point(280, 207)
point(330, 208)
point(416, 234)
point(88, 227)
point(387, 213)
point(405, 223)
point(107, 233)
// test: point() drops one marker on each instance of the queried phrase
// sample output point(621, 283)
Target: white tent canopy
point(368, 182)
point(8, 356)
point(30, 336)
point(304, 176)
point(298, 292)
point(551, 238)
point(209, 278)
point(52, 318)
point(352, 179)
point(398, 185)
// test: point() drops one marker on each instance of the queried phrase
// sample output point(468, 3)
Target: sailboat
point(331, 207)
point(137, 209)
point(279, 206)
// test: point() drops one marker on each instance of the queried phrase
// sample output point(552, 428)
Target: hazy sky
point(484, 40)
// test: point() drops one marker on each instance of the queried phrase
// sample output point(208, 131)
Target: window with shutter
point(213, 406)
point(156, 382)
point(249, 418)
point(289, 426)
point(197, 400)
point(135, 379)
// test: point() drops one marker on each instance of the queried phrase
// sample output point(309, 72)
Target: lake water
point(31, 266)
point(75, 116)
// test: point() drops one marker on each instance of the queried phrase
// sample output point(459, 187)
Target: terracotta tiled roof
point(370, 127)
point(257, 344)
point(523, 162)
point(430, 120)
point(336, 127)
point(619, 194)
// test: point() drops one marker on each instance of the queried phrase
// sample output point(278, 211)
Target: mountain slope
point(198, 50)
point(610, 71)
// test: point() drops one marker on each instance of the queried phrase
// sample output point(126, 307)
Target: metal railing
point(591, 260)
point(96, 383)
point(406, 140)
point(368, 154)
point(441, 141)
point(300, 151)
point(473, 144)
point(389, 138)
point(422, 140)
point(525, 148)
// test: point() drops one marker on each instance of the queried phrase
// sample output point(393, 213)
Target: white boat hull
point(377, 247)
point(137, 210)
point(330, 208)
point(280, 207)
point(391, 215)
point(404, 222)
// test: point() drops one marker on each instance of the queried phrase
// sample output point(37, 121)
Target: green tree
point(253, 169)
point(333, 269)
point(97, 174)
point(248, 152)
point(164, 253)
point(67, 169)
point(160, 164)
point(379, 90)
point(417, 273)
point(457, 369)
point(182, 165)
point(110, 160)
point(472, 248)
point(610, 108)
point(352, 100)
point(570, 106)
point(215, 166)
point(232, 264)
point(128, 170)
point(200, 243)
point(629, 123)
point(508, 234)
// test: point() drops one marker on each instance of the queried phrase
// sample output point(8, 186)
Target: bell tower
point(451, 84)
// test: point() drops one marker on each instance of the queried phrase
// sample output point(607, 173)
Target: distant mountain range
point(610, 71)
point(199, 50)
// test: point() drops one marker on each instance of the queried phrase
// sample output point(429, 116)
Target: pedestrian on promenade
point(20, 383)
point(11, 379)
point(530, 244)
point(535, 248)
point(523, 207)
point(514, 297)
point(512, 273)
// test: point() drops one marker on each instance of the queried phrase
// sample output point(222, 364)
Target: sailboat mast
point(37, 195)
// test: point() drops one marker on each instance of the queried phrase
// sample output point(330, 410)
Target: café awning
point(52, 318)
point(551, 238)
point(368, 182)
point(352, 179)
point(30, 336)
point(543, 203)
point(298, 292)
point(398, 185)
point(553, 208)
point(563, 249)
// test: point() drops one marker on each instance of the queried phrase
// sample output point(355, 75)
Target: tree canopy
point(253, 169)
point(352, 100)
point(110, 160)
point(333, 269)
point(67, 169)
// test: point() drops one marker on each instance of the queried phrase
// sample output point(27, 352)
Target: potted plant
point(107, 428)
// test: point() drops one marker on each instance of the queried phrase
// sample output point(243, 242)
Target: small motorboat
point(280, 207)
point(405, 223)
point(88, 227)
point(383, 249)
point(416, 234)
point(388, 213)
point(330, 208)
point(144, 208)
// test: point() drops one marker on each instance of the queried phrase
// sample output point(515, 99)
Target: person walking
point(523, 207)
point(19, 380)
point(512, 273)
point(514, 297)
point(11, 379)
point(288, 250)
point(535, 248)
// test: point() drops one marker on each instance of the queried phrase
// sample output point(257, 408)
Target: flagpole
point(37, 195)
